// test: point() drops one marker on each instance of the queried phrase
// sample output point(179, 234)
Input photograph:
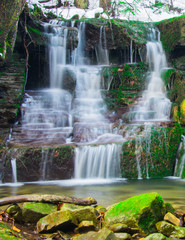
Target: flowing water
point(153, 105)
point(180, 160)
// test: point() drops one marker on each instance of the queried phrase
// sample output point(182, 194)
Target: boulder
point(141, 212)
point(58, 220)
point(32, 212)
point(85, 226)
point(156, 236)
point(103, 234)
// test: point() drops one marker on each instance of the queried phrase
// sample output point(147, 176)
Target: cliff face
point(9, 17)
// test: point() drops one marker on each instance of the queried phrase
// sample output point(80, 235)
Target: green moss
point(6, 233)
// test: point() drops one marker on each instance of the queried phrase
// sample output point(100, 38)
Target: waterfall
point(153, 105)
point(101, 50)
point(180, 159)
point(101, 161)
point(14, 170)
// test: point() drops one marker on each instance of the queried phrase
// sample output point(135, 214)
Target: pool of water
point(106, 192)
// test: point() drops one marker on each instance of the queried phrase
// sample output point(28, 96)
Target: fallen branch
point(47, 198)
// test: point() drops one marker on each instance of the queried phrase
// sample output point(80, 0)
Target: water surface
point(106, 192)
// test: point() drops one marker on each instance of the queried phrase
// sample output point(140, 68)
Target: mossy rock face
point(9, 16)
point(142, 211)
point(152, 154)
point(32, 212)
point(30, 163)
point(172, 33)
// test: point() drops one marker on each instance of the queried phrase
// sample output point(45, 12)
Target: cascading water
point(153, 105)
point(180, 160)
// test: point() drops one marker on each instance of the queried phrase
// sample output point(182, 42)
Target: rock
point(178, 233)
point(123, 236)
point(15, 211)
point(103, 234)
point(58, 220)
point(156, 236)
point(85, 226)
point(165, 228)
point(32, 212)
point(119, 227)
point(81, 213)
point(169, 217)
point(100, 209)
point(141, 212)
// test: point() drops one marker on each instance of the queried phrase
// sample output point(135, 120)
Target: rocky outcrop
point(140, 216)
point(9, 17)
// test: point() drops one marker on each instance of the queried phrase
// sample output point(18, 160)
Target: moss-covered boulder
point(32, 212)
point(58, 220)
point(141, 212)
point(82, 213)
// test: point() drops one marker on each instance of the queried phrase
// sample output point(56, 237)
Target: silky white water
point(153, 105)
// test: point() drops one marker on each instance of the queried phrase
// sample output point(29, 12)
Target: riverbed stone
point(165, 228)
point(103, 234)
point(141, 212)
point(169, 217)
point(81, 213)
point(156, 236)
point(58, 220)
point(85, 226)
point(32, 212)
point(123, 236)
point(15, 211)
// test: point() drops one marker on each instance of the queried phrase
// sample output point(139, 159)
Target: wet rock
point(32, 212)
point(169, 217)
point(85, 226)
point(165, 228)
point(119, 227)
point(100, 209)
point(123, 236)
point(141, 212)
point(15, 211)
point(156, 236)
point(58, 220)
point(103, 234)
point(81, 4)
point(81, 214)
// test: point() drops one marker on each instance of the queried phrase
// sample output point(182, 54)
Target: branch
point(47, 198)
